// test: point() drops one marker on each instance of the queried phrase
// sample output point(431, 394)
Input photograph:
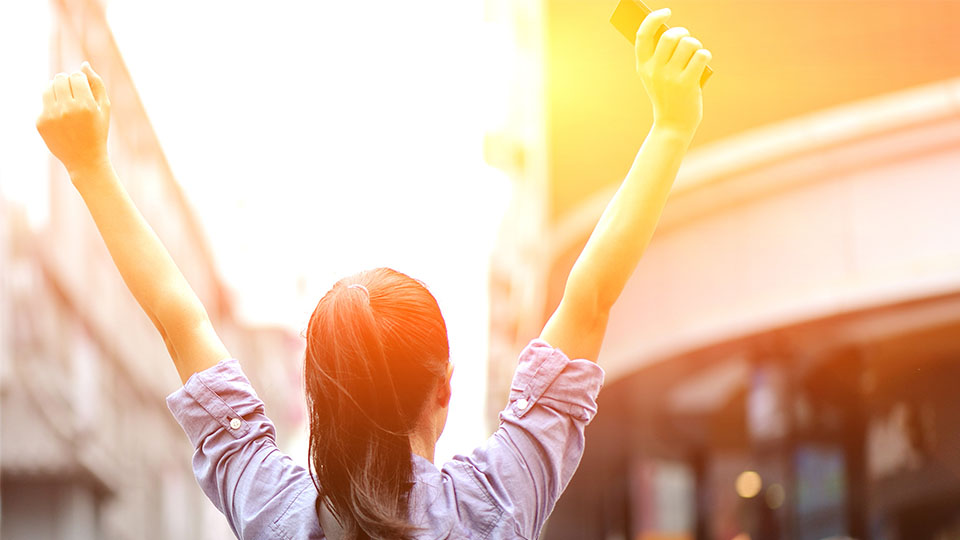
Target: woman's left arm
point(74, 124)
point(670, 68)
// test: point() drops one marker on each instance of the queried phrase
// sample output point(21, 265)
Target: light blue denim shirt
point(506, 488)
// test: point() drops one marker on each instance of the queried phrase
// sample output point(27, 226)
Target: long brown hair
point(376, 348)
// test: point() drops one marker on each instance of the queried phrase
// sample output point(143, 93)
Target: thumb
point(96, 85)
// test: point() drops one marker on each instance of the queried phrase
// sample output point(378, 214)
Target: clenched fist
point(670, 69)
point(76, 118)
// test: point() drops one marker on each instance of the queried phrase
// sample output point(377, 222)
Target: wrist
point(684, 133)
point(91, 171)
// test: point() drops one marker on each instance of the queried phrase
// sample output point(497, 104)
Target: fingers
point(96, 84)
point(61, 87)
point(668, 44)
point(81, 89)
point(84, 86)
point(697, 63)
point(684, 51)
point(647, 33)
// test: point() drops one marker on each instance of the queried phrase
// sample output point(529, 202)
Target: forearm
point(628, 223)
point(144, 263)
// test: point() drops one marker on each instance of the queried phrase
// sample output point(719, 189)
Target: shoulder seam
point(483, 491)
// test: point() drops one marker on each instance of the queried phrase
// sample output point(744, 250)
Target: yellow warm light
point(749, 484)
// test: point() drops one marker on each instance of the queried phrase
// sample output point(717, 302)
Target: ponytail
point(375, 350)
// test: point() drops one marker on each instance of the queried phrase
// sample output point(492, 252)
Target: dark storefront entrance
point(841, 428)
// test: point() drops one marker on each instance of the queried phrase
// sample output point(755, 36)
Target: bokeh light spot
point(749, 484)
point(775, 496)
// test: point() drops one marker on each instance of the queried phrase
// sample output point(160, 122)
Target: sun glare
point(319, 139)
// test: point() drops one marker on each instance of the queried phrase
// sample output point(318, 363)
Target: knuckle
point(75, 110)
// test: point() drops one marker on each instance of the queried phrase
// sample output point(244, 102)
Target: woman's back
point(504, 489)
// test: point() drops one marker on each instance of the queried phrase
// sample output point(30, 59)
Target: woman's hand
point(670, 70)
point(75, 119)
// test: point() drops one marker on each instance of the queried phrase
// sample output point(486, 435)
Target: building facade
point(88, 449)
point(798, 317)
point(777, 366)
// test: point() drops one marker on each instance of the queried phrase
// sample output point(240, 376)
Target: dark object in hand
point(626, 19)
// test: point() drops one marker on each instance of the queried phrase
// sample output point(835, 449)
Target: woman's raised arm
point(74, 124)
point(670, 69)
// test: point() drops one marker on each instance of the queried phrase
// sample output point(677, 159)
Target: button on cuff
point(235, 423)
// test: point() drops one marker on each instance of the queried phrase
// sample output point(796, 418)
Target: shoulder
point(299, 518)
point(261, 491)
point(452, 502)
point(510, 483)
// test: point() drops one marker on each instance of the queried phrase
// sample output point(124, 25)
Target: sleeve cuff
point(546, 372)
point(219, 397)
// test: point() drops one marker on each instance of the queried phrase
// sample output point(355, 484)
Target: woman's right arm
point(261, 491)
point(670, 70)
point(74, 125)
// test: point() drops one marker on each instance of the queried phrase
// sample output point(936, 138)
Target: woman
point(377, 365)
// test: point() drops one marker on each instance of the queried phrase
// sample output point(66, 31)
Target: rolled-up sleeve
point(236, 460)
point(528, 462)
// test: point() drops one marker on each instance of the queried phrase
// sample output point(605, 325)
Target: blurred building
point(88, 448)
point(780, 364)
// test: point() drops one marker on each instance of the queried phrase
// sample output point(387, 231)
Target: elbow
point(604, 303)
point(589, 300)
point(590, 308)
